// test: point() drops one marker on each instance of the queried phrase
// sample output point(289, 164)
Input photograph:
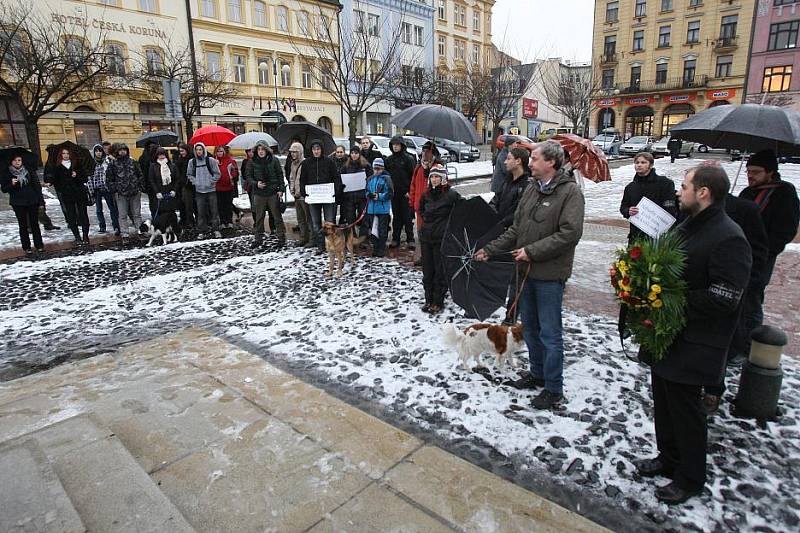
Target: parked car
point(460, 151)
point(546, 134)
point(637, 144)
point(608, 142)
point(660, 147)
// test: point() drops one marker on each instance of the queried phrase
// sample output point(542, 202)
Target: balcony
point(723, 44)
point(669, 84)
point(608, 59)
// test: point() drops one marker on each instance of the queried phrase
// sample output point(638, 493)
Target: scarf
point(764, 192)
point(67, 164)
point(166, 175)
point(21, 174)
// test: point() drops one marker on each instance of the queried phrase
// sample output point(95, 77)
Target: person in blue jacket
point(379, 193)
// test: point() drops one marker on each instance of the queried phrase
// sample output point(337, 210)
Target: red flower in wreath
point(647, 323)
point(636, 252)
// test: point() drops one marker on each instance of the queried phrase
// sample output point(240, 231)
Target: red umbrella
point(212, 136)
point(584, 156)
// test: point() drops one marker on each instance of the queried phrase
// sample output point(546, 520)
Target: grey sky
point(544, 28)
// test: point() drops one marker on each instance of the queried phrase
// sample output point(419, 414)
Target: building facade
point(660, 61)
point(775, 58)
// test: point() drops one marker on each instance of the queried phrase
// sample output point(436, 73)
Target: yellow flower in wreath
point(657, 304)
point(656, 289)
point(652, 296)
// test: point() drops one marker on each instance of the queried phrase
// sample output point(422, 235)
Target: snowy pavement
point(364, 334)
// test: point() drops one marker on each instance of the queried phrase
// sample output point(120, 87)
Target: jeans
point(112, 208)
point(262, 205)
point(402, 218)
point(130, 207)
point(379, 242)
point(318, 211)
point(207, 210)
point(540, 307)
point(28, 219)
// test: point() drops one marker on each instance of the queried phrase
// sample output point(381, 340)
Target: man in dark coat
point(400, 166)
point(367, 150)
point(718, 261)
point(317, 170)
point(646, 183)
point(499, 174)
point(674, 146)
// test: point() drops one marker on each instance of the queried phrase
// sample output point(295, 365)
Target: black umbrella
point(480, 288)
point(304, 133)
point(10, 152)
point(81, 156)
point(748, 127)
point(160, 137)
point(437, 121)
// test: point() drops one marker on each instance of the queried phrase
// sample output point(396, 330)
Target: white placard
point(652, 218)
point(357, 181)
point(322, 193)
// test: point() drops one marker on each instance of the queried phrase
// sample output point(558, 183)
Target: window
point(695, 3)
point(664, 33)
point(784, 2)
point(460, 50)
point(146, 5)
point(419, 76)
point(358, 20)
point(283, 18)
point(693, 32)
point(777, 79)
point(612, 11)
point(214, 65)
point(638, 40)
point(666, 5)
point(375, 70)
point(689, 67)
point(12, 125)
point(405, 74)
point(476, 20)
point(374, 25)
point(302, 22)
point(325, 26)
point(74, 50)
point(115, 59)
point(460, 15)
point(239, 69)
point(476, 54)
point(235, 10)
point(641, 8)
point(306, 74)
point(442, 45)
point(783, 35)
point(608, 78)
point(724, 66)
point(419, 36)
point(286, 74)
point(260, 14)
point(406, 33)
point(727, 28)
point(109, 2)
point(155, 65)
point(661, 73)
point(325, 79)
point(209, 8)
point(610, 45)
point(442, 10)
point(263, 73)
point(636, 76)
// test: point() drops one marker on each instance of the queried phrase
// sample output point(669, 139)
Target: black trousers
point(28, 218)
point(353, 204)
point(402, 217)
point(225, 206)
point(76, 215)
point(681, 431)
point(433, 277)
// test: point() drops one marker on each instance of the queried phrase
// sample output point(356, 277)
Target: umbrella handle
point(736, 179)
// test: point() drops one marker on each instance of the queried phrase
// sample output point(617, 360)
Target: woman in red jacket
point(227, 186)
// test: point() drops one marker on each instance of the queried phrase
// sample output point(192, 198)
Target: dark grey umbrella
point(747, 127)
point(304, 132)
point(160, 137)
point(437, 121)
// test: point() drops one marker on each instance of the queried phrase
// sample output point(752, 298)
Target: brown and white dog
point(498, 340)
point(337, 240)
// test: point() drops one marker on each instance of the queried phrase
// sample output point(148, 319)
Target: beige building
point(660, 61)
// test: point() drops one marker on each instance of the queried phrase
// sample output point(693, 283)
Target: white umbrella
point(249, 140)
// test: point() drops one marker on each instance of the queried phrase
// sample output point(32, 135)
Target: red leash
point(519, 291)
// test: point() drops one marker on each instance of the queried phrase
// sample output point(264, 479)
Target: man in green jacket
point(548, 224)
point(265, 179)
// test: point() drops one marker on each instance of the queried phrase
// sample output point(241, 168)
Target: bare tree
point(509, 82)
point(48, 62)
point(210, 89)
point(359, 63)
point(420, 85)
point(776, 99)
point(571, 91)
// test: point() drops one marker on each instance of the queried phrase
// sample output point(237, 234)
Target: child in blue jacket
point(379, 193)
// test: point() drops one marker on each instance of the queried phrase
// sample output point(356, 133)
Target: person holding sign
point(353, 200)
point(647, 184)
point(320, 170)
point(379, 194)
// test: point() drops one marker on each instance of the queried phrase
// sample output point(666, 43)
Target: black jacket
point(167, 203)
point(717, 273)
point(351, 167)
point(317, 170)
point(505, 201)
point(400, 166)
point(70, 188)
point(745, 214)
point(22, 195)
point(371, 154)
point(435, 208)
point(659, 189)
point(780, 211)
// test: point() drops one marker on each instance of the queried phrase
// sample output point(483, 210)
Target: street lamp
point(263, 67)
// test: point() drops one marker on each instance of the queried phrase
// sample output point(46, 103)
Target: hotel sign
point(721, 94)
point(105, 25)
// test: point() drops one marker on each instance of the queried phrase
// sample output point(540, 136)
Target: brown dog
point(337, 240)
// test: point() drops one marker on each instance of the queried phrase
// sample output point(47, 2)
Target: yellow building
point(660, 61)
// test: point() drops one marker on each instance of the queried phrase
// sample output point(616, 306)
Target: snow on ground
point(365, 333)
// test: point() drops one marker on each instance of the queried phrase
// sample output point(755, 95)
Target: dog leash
point(357, 220)
point(513, 307)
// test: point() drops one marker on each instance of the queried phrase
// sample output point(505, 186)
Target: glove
point(159, 196)
point(172, 194)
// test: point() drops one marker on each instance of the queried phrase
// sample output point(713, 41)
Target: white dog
point(498, 340)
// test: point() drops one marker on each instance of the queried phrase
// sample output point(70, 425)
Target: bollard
point(760, 382)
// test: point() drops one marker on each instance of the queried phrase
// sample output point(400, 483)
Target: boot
point(76, 234)
point(86, 236)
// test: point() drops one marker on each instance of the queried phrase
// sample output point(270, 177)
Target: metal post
point(275, 74)
point(195, 78)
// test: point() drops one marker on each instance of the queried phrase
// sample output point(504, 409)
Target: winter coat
point(419, 184)
point(268, 170)
point(674, 145)
point(548, 225)
point(70, 188)
point(499, 175)
point(717, 272)
point(97, 180)
point(745, 214)
point(229, 174)
point(351, 167)
point(242, 177)
point(780, 211)
point(147, 157)
point(435, 207)
point(400, 167)
point(169, 192)
point(371, 154)
point(123, 176)
point(657, 188)
point(318, 170)
point(19, 194)
point(381, 185)
point(182, 164)
point(203, 172)
point(505, 201)
point(293, 175)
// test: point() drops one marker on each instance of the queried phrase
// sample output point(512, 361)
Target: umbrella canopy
point(249, 140)
point(584, 156)
point(479, 288)
point(212, 136)
point(10, 152)
point(81, 156)
point(747, 127)
point(161, 138)
point(437, 121)
point(304, 132)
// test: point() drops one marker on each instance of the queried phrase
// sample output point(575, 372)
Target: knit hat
point(765, 159)
point(378, 163)
point(438, 170)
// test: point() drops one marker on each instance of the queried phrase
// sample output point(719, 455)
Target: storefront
point(639, 119)
point(677, 111)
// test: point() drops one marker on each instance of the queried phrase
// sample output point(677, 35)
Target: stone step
point(31, 495)
point(107, 487)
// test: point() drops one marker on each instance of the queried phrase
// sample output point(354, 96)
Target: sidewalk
point(189, 433)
